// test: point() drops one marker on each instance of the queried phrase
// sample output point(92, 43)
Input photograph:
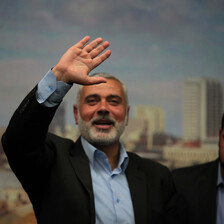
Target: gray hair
point(106, 76)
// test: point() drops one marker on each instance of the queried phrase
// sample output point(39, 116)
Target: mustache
point(103, 117)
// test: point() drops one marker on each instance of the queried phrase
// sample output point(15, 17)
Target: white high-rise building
point(202, 108)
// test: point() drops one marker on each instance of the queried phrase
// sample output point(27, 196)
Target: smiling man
point(92, 180)
point(103, 111)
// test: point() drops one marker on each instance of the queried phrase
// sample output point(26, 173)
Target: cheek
point(86, 113)
point(120, 114)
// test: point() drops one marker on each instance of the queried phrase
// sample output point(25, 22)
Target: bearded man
point(92, 180)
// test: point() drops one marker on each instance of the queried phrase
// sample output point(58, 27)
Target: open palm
point(80, 59)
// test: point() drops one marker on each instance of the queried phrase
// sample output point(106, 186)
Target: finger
point(99, 49)
point(95, 80)
point(82, 42)
point(89, 47)
point(98, 60)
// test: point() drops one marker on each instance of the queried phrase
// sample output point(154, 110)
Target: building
point(132, 133)
point(154, 117)
point(178, 156)
point(202, 109)
point(14, 197)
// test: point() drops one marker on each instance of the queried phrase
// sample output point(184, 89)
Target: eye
point(114, 101)
point(92, 100)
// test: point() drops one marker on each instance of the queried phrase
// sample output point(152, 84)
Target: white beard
point(97, 136)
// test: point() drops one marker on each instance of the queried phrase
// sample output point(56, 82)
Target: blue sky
point(155, 45)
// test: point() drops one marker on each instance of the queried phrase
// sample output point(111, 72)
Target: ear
point(128, 109)
point(75, 113)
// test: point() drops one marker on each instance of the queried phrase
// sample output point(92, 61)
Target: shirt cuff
point(50, 92)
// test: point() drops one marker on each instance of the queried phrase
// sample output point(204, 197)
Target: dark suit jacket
point(196, 187)
point(56, 175)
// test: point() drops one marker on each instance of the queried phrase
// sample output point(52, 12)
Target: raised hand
point(75, 65)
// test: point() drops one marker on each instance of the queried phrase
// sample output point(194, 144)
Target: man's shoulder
point(195, 168)
point(56, 138)
point(194, 174)
point(58, 142)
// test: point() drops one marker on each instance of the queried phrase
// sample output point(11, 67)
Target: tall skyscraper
point(202, 108)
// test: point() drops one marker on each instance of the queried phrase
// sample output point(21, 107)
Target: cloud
point(170, 20)
point(21, 73)
point(166, 18)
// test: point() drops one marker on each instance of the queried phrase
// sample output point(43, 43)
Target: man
point(93, 180)
point(201, 189)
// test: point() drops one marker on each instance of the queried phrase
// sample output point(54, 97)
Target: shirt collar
point(220, 179)
point(124, 159)
point(90, 151)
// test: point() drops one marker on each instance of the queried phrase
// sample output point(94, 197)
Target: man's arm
point(28, 126)
point(24, 139)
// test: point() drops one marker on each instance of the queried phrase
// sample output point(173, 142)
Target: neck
point(112, 152)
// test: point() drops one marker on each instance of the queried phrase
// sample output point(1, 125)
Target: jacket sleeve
point(29, 157)
point(28, 126)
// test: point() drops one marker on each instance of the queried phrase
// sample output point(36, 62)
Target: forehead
point(111, 87)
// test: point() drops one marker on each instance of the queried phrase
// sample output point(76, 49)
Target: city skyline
point(155, 46)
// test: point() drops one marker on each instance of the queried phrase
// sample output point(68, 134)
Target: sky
point(156, 45)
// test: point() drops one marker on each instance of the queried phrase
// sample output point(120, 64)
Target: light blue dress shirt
point(220, 198)
point(112, 197)
point(113, 204)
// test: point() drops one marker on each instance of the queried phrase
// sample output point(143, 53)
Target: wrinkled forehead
point(111, 87)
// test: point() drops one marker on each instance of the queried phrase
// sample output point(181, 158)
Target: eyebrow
point(114, 96)
point(98, 96)
point(92, 96)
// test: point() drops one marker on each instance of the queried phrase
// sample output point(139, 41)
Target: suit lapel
point(80, 164)
point(137, 185)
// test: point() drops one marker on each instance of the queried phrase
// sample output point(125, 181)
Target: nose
point(103, 109)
